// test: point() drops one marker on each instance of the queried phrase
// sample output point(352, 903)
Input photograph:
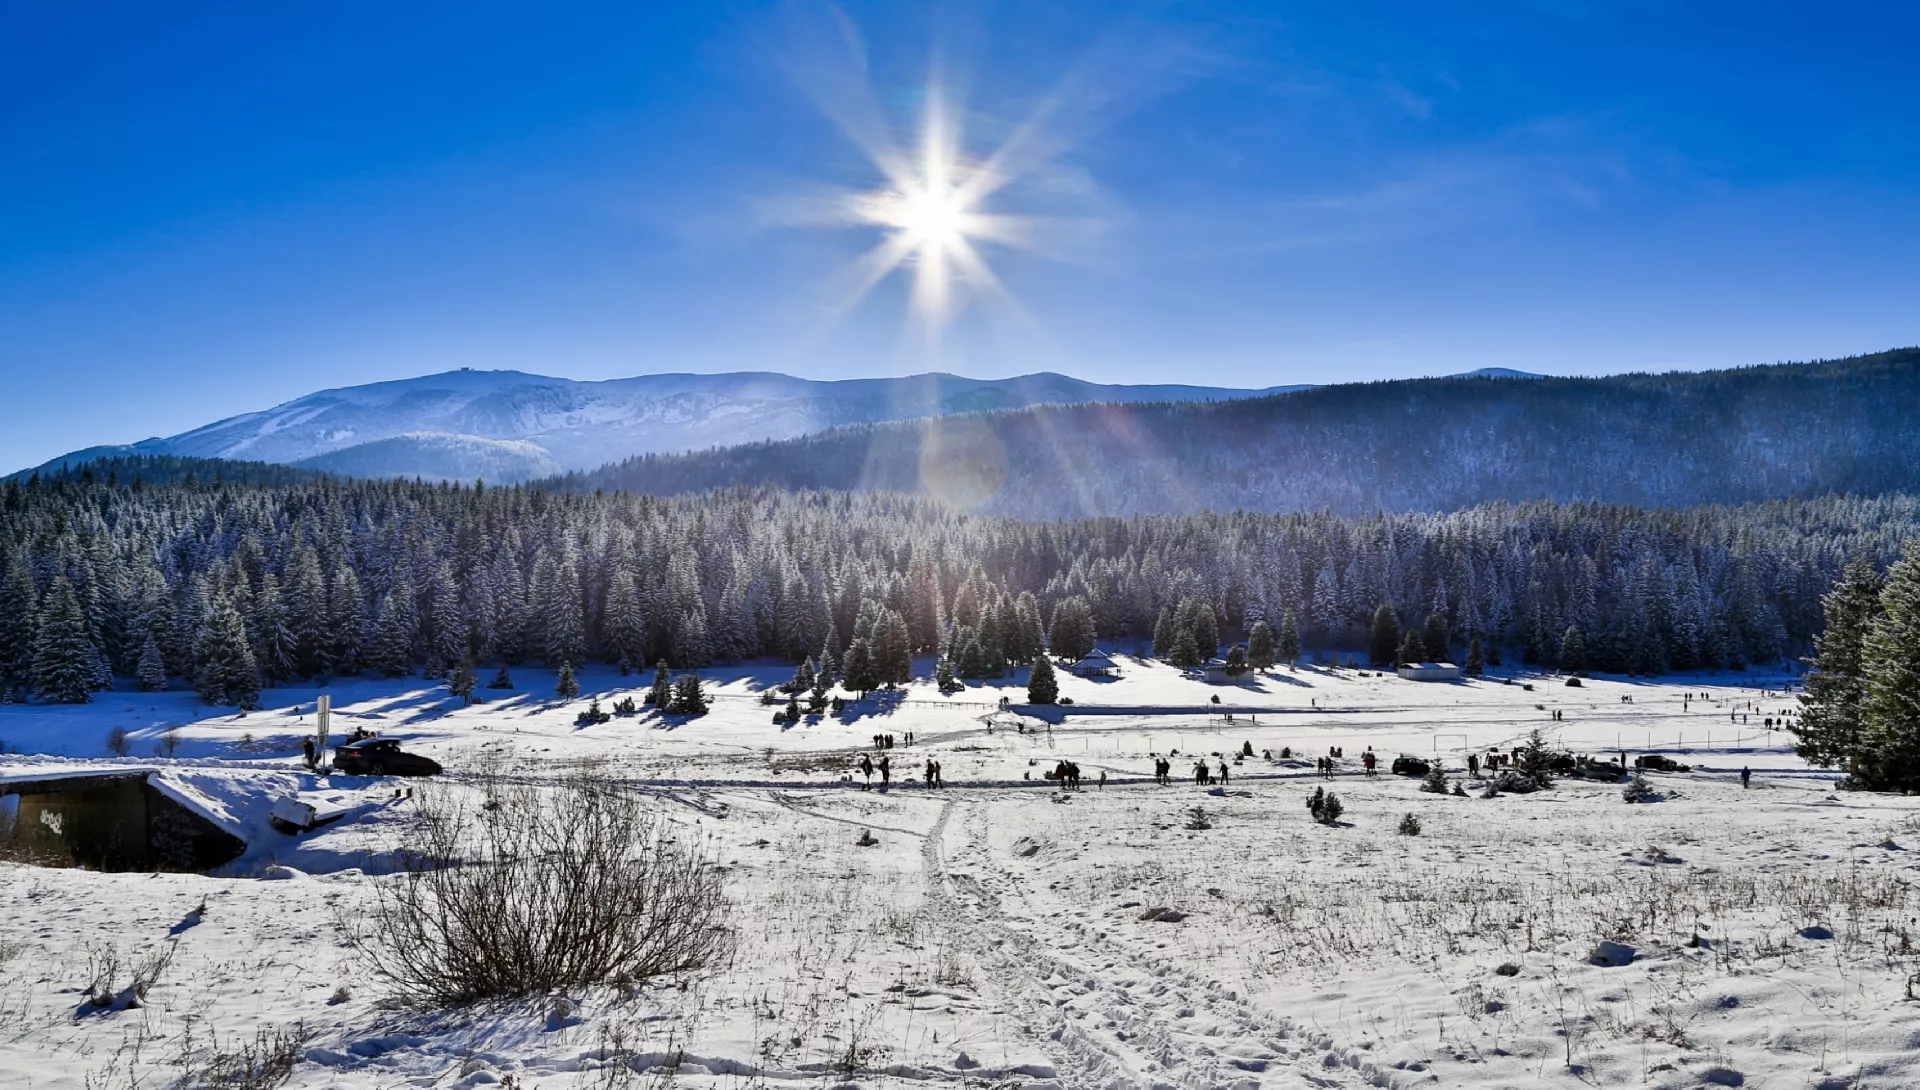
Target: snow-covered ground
point(1002, 932)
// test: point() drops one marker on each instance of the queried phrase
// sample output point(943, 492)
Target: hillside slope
point(1431, 444)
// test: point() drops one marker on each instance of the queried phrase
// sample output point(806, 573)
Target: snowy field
point(1001, 932)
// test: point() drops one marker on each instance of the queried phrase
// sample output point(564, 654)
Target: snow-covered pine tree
point(1071, 636)
point(1435, 638)
point(565, 685)
point(227, 672)
point(65, 658)
point(1043, 687)
point(661, 695)
point(892, 653)
point(688, 697)
point(18, 609)
point(1830, 724)
point(1890, 658)
point(625, 627)
point(1287, 647)
point(1260, 646)
point(463, 682)
point(1476, 658)
point(151, 670)
point(859, 674)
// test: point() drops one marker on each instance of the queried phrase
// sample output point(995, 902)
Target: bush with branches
point(543, 889)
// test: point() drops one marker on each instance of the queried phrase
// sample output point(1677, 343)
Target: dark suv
point(381, 757)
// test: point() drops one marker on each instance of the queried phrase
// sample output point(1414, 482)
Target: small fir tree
point(1476, 658)
point(688, 697)
point(1413, 649)
point(463, 682)
point(565, 686)
point(501, 679)
point(1043, 687)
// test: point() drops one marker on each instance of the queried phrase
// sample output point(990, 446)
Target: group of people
point(885, 741)
point(934, 778)
point(1067, 775)
point(867, 768)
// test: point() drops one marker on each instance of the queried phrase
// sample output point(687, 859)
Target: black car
point(1405, 765)
point(381, 757)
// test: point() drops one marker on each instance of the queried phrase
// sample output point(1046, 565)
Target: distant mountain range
point(1747, 434)
point(507, 426)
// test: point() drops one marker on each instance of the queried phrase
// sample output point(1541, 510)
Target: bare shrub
point(1409, 825)
point(117, 743)
point(169, 743)
point(262, 1063)
point(536, 889)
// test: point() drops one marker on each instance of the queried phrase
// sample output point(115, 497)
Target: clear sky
point(209, 208)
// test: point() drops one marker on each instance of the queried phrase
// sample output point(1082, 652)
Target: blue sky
point(216, 207)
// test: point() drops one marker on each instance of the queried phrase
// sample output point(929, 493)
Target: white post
point(323, 716)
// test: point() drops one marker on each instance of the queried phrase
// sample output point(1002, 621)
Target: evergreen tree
point(1260, 649)
point(390, 645)
point(661, 695)
point(1412, 649)
point(626, 628)
point(463, 682)
point(1287, 649)
point(1831, 721)
point(346, 621)
point(565, 686)
point(152, 668)
point(1163, 634)
point(306, 611)
point(226, 671)
point(1236, 663)
point(1435, 638)
point(860, 675)
point(802, 677)
point(1476, 659)
point(1042, 686)
point(1384, 647)
point(1573, 651)
point(273, 642)
point(1072, 636)
point(688, 698)
point(501, 679)
point(1890, 658)
point(1186, 650)
point(64, 657)
point(892, 652)
point(943, 675)
point(17, 631)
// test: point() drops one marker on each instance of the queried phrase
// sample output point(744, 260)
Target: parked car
point(1406, 765)
point(382, 757)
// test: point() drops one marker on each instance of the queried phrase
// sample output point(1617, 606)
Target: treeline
point(1862, 698)
point(1672, 440)
point(229, 585)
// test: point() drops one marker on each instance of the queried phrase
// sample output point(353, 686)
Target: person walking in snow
point(1223, 772)
point(939, 779)
point(866, 769)
point(1746, 775)
point(307, 751)
point(886, 771)
point(929, 772)
point(1102, 785)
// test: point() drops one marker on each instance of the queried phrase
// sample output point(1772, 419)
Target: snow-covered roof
point(1095, 657)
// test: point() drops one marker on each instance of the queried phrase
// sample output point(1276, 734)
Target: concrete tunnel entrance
point(111, 822)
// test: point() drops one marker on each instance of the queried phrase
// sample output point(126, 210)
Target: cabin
point(1095, 663)
point(112, 821)
point(1430, 671)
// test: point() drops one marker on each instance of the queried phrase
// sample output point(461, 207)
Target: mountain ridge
point(581, 425)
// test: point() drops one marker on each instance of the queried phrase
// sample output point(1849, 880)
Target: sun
point(931, 211)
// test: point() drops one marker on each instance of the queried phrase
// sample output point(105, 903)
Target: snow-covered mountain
point(509, 425)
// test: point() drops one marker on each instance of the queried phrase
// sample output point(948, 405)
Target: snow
point(1002, 932)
